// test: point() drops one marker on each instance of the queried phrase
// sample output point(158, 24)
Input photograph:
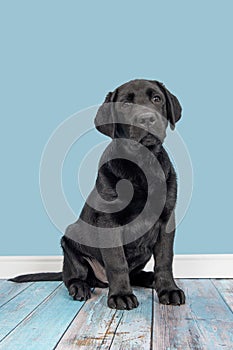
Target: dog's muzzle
point(153, 127)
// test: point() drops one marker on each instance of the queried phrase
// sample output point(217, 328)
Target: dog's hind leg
point(75, 271)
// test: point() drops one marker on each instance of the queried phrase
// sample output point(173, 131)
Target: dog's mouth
point(147, 141)
point(150, 140)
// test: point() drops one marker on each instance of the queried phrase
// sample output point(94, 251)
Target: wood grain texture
point(225, 288)
point(204, 322)
point(134, 329)
point(13, 312)
point(90, 328)
point(98, 327)
point(9, 290)
point(42, 315)
point(43, 328)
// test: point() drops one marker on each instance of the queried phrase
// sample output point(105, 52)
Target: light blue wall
point(59, 57)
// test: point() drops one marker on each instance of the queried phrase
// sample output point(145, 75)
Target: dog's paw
point(172, 297)
point(123, 302)
point(80, 290)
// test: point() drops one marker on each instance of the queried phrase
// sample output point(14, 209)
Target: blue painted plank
point(206, 302)
point(217, 334)
point(133, 330)
point(43, 328)
point(90, 327)
point(9, 290)
point(23, 304)
point(204, 322)
point(98, 327)
point(173, 326)
point(225, 288)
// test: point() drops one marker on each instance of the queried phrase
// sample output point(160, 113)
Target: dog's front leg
point(167, 290)
point(120, 292)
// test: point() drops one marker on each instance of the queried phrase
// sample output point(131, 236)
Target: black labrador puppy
point(120, 228)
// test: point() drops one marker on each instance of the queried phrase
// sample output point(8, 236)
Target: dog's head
point(139, 110)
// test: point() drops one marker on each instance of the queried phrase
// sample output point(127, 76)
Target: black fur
point(121, 267)
point(36, 277)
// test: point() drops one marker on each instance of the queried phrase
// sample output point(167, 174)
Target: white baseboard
point(201, 266)
point(184, 266)
point(11, 266)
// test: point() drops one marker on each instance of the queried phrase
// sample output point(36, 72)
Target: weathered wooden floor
point(42, 316)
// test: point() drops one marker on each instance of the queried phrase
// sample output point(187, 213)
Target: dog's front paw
point(171, 296)
point(80, 290)
point(123, 302)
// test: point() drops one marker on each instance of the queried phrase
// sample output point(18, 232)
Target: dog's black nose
point(147, 120)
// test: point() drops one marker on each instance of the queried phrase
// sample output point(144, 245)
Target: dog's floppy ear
point(104, 120)
point(173, 106)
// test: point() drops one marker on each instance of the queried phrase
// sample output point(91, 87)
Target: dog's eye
point(156, 99)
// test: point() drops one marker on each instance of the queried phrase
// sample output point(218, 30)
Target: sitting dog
point(119, 229)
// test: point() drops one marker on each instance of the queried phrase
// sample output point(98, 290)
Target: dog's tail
point(37, 277)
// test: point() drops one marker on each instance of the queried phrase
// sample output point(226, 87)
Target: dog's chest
point(139, 251)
